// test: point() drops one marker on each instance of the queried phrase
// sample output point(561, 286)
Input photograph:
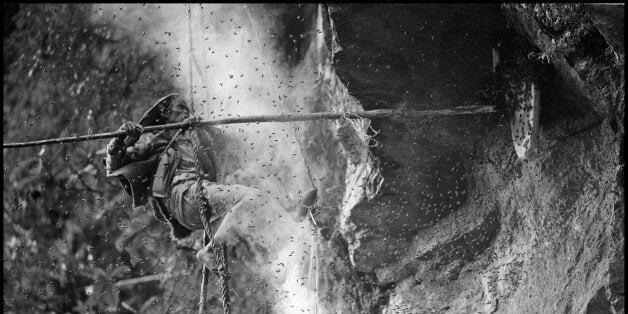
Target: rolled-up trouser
point(221, 198)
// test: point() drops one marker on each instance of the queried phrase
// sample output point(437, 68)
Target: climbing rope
point(223, 272)
point(201, 201)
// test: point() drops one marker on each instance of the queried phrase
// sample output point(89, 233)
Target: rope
point(205, 272)
point(190, 52)
point(204, 279)
point(317, 264)
point(223, 271)
point(201, 202)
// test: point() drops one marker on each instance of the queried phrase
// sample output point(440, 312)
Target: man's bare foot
point(208, 258)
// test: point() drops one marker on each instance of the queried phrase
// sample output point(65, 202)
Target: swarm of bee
point(561, 25)
point(520, 79)
point(555, 19)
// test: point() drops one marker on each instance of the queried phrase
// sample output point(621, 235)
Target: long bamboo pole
point(370, 114)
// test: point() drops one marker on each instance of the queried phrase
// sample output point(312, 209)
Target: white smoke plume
point(227, 52)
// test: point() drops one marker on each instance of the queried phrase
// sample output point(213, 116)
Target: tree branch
point(134, 281)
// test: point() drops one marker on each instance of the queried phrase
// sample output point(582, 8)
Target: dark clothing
point(148, 170)
point(220, 197)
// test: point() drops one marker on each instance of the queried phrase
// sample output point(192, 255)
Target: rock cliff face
point(439, 214)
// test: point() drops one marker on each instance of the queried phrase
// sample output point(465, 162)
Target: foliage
point(69, 232)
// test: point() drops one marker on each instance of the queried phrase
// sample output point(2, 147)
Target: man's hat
point(155, 115)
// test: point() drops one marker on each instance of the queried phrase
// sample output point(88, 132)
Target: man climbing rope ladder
point(175, 173)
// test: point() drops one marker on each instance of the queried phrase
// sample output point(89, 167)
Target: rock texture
point(457, 223)
point(398, 56)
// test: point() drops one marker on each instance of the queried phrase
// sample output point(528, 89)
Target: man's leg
point(230, 204)
point(244, 212)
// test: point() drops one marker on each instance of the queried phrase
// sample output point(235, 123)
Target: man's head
point(177, 111)
point(169, 109)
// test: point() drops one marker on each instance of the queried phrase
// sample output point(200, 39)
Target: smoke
point(223, 58)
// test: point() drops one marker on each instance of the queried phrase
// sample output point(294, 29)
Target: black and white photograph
point(313, 158)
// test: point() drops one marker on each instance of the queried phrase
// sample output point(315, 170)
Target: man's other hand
point(133, 131)
point(192, 120)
